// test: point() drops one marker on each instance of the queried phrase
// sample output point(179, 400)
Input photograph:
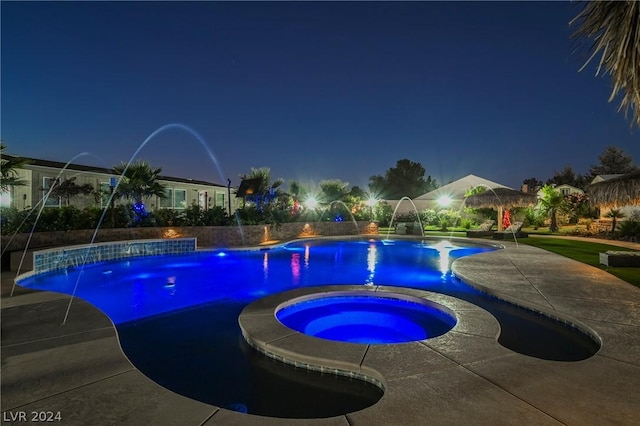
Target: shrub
point(216, 216)
point(533, 217)
point(429, 217)
point(13, 220)
point(448, 218)
point(193, 215)
point(630, 229)
point(465, 223)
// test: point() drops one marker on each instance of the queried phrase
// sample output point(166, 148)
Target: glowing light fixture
point(444, 200)
point(371, 201)
point(311, 203)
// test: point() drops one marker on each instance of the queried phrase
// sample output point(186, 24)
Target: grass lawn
point(585, 252)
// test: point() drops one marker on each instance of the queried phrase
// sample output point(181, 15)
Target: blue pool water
point(368, 319)
point(177, 316)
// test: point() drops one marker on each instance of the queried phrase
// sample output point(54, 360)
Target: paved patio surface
point(464, 377)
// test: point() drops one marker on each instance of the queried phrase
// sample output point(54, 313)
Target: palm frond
point(613, 30)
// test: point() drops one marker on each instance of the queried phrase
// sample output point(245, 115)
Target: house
point(564, 189)
point(40, 174)
point(568, 189)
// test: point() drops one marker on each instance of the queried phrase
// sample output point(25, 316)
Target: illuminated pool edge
point(422, 318)
point(261, 330)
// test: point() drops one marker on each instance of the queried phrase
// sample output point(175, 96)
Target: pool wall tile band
point(74, 256)
point(315, 367)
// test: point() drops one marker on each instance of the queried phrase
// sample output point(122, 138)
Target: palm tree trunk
point(553, 226)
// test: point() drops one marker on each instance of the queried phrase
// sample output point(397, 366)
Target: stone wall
point(207, 236)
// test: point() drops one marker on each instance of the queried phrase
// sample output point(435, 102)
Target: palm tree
point(549, 203)
point(265, 190)
point(334, 190)
point(8, 170)
point(138, 181)
point(614, 214)
point(68, 189)
point(613, 28)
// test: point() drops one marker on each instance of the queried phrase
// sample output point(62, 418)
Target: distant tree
point(533, 184)
point(405, 179)
point(297, 191)
point(334, 190)
point(569, 177)
point(378, 185)
point(357, 192)
point(550, 203)
point(613, 161)
point(138, 181)
point(68, 188)
point(8, 170)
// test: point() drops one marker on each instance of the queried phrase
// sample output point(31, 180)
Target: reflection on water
point(372, 258)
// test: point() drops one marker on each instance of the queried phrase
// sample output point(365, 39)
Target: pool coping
point(265, 333)
point(81, 370)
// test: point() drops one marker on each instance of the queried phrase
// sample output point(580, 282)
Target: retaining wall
point(207, 236)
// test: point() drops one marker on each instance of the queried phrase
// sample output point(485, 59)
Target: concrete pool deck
point(463, 377)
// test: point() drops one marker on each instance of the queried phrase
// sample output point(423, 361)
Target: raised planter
point(620, 258)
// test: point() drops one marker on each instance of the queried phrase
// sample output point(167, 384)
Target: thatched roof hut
point(623, 190)
point(500, 198)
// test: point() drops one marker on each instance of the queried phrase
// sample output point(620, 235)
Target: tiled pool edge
point(548, 312)
point(60, 258)
point(267, 338)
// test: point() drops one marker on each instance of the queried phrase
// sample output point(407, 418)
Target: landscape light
point(311, 202)
point(371, 201)
point(444, 200)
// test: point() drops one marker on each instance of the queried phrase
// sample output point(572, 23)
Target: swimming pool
point(176, 316)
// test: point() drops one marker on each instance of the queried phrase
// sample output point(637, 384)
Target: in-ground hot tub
point(366, 317)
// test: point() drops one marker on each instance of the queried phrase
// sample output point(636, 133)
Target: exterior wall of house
point(182, 194)
point(568, 189)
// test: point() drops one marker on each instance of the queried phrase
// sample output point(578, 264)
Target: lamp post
point(229, 194)
point(112, 186)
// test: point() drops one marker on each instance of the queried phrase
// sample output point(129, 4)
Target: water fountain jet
point(353, 219)
point(113, 193)
point(405, 198)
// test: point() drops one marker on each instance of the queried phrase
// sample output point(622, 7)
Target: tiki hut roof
point(501, 197)
point(619, 191)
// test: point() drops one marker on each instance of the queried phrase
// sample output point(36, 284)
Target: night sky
point(314, 91)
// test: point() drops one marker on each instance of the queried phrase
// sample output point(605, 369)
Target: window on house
point(180, 199)
point(46, 185)
point(167, 202)
point(105, 193)
point(5, 198)
point(219, 200)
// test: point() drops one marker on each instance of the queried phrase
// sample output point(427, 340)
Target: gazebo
point(623, 190)
point(501, 198)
